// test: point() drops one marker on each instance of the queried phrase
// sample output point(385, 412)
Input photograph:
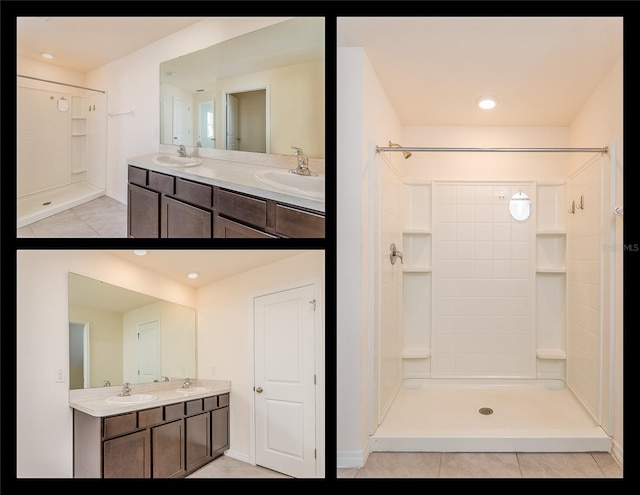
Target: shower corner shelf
point(417, 269)
point(551, 232)
point(550, 353)
point(413, 231)
point(416, 353)
point(542, 269)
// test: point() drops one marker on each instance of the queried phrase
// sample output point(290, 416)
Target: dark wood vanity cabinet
point(162, 442)
point(161, 205)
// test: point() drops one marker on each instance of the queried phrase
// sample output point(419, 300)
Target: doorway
point(247, 118)
point(287, 375)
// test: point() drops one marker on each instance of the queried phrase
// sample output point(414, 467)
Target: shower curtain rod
point(63, 84)
point(569, 150)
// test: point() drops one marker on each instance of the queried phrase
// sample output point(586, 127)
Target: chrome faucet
point(165, 378)
point(106, 383)
point(186, 383)
point(182, 151)
point(126, 390)
point(303, 163)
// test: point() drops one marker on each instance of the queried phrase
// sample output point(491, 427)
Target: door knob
point(259, 390)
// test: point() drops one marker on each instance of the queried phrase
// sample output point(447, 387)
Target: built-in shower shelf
point(79, 135)
point(550, 353)
point(552, 232)
point(416, 353)
point(417, 269)
point(551, 270)
point(416, 231)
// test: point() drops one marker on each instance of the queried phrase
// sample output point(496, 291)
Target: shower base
point(43, 204)
point(443, 415)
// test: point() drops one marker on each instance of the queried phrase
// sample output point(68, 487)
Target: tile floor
point(102, 217)
point(228, 467)
point(486, 465)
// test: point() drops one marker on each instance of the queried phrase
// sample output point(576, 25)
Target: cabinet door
point(291, 222)
point(143, 212)
point(168, 450)
point(219, 431)
point(198, 445)
point(128, 456)
point(180, 220)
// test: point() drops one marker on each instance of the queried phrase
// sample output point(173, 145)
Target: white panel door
point(232, 123)
point(181, 122)
point(149, 352)
point(284, 382)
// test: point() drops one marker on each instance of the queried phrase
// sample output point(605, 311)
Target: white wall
point(44, 431)
point(224, 333)
point(359, 128)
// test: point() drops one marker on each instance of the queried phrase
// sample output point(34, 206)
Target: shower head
point(406, 154)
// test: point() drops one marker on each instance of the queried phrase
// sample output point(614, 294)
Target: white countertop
point(237, 176)
point(93, 401)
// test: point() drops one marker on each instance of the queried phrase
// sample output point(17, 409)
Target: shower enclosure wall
point(61, 147)
point(481, 303)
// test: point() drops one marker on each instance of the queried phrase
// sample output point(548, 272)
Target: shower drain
point(485, 410)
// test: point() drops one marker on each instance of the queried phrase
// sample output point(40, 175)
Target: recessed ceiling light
point(486, 102)
point(192, 275)
point(48, 56)
point(140, 252)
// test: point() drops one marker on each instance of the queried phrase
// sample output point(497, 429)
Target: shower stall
point(492, 301)
point(61, 147)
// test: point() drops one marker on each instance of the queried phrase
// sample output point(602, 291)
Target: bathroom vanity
point(169, 436)
point(219, 199)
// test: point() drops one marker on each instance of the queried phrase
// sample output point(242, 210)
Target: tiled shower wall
point(483, 282)
point(585, 255)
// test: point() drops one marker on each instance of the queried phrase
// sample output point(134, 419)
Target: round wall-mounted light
point(48, 56)
point(192, 275)
point(486, 102)
point(140, 252)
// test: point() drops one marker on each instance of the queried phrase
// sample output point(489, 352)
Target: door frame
point(319, 354)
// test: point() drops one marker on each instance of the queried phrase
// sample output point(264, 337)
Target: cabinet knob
point(259, 390)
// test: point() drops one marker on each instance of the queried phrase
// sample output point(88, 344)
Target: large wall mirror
point(262, 92)
point(117, 335)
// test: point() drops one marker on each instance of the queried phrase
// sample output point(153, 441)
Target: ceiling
point(86, 43)
point(541, 69)
point(211, 264)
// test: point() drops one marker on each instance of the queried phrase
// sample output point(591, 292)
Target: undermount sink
point(310, 186)
point(131, 399)
point(176, 161)
point(193, 390)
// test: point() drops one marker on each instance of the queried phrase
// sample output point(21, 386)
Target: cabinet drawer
point(223, 400)
point(173, 411)
point(296, 223)
point(137, 176)
point(161, 182)
point(192, 192)
point(210, 403)
point(193, 407)
point(149, 417)
point(244, 208)
point(230, 229)
point(118, 425)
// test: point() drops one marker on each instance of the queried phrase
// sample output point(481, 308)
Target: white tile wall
point(483, 282)
point(585, 260)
